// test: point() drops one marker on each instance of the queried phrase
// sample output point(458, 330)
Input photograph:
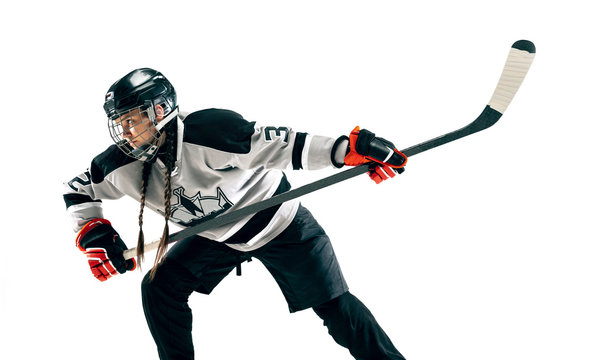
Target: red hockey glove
point(104, 249)
point(365, 147)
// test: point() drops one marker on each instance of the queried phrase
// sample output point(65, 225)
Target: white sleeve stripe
point(305, 150)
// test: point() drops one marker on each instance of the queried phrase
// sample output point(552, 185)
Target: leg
point(165, 306)
point(191, 265)
point(304, 264)
point(353, 326)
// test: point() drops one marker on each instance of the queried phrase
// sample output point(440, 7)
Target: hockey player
point(193, 166)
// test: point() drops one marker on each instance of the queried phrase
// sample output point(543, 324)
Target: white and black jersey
point(223, 162)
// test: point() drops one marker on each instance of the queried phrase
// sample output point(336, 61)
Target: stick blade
point(517, 65)
point(515, 69)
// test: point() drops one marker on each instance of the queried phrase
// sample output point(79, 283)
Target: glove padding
point(365, 147)
point(104, 249)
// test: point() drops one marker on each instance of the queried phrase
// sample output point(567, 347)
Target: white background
point(481, 250)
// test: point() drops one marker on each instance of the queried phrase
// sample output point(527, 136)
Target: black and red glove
point(104, 249)
point(364, 147)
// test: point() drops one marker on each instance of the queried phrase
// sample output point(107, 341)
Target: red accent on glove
point(99, 263)
point(381, 173)
point(353, 158)
point(86, 228)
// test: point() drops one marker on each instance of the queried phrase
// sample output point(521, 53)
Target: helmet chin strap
point(167, 119)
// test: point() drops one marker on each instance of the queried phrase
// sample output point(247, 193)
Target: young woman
point(193, 166)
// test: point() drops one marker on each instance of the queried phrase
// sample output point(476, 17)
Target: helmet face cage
point(135, 131)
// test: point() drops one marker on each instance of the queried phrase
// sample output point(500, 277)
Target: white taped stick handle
point(132, 253)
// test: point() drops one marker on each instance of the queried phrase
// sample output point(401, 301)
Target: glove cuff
point(88, 227)
point(334, 149)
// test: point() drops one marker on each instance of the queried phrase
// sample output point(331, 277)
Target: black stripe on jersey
point(107, 162)
point(76, 199)
point(297, 152)
point(260, 220)
point(219, 129)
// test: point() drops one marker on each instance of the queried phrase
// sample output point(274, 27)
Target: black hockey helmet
point(138, 93)
point(136, 89)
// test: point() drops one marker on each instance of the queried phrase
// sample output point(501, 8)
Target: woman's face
point(138, 129)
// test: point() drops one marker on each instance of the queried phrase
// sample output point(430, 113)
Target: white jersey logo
point(189, 211)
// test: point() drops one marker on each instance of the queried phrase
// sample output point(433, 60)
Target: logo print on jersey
point(189, 211)
point(80, 181)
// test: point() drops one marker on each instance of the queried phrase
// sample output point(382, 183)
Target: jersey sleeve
point(283, 148)
point(244, 144)
point(83, 194)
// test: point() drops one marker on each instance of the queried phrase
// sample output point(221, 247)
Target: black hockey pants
point(170, 320)
point(301, 260)
point(353, 326)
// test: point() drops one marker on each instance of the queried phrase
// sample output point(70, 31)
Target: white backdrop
point(481, 250)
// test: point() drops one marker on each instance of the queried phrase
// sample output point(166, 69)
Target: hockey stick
point(517, 64)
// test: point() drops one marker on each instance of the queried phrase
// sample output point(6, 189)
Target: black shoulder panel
point(107, 162)
point(219, 129)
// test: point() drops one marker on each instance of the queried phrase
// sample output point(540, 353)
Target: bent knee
point(171, 279)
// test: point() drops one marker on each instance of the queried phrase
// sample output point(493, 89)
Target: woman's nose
point(126, 132)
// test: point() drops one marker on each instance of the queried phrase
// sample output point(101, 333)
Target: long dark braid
point(165, 238)
point(146, 169)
